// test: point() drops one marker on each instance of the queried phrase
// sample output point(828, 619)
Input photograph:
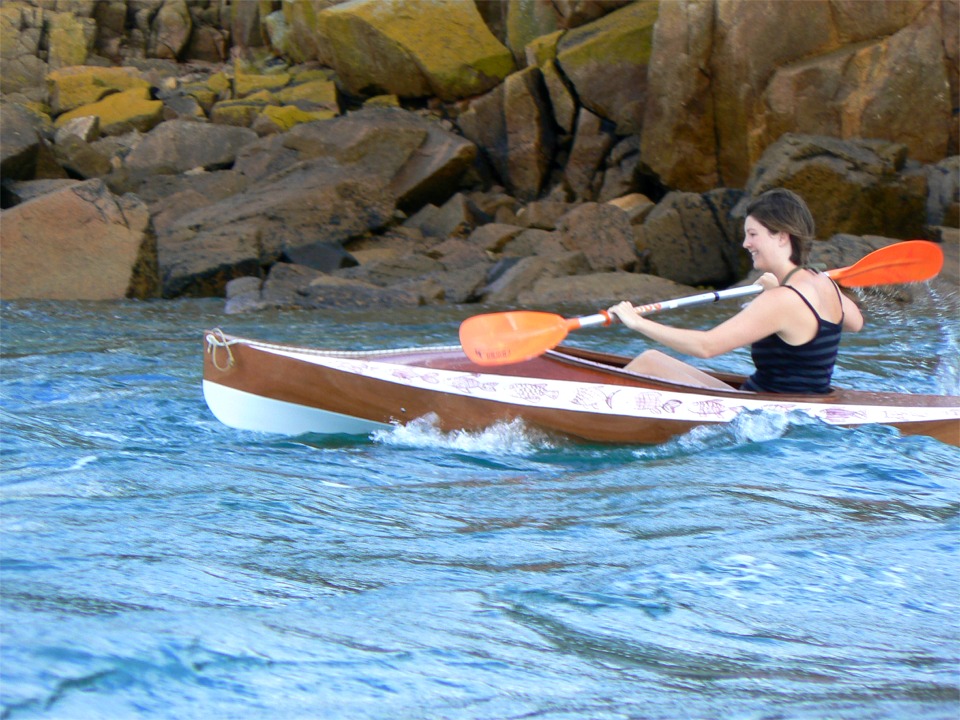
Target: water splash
point(750, 427)
point(513, 438)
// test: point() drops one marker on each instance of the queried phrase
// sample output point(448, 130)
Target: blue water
point(156, 564)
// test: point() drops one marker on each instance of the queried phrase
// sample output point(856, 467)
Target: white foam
point(513, 438)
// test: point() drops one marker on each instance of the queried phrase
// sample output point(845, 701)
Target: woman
point(793, 326)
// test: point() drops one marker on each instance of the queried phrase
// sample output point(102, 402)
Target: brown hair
point(782, 210)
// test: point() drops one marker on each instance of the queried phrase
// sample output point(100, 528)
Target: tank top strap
point(840, 298)
point(806, 302)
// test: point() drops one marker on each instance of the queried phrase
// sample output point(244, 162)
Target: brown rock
point(244, 295)
point(121, 112)
point(21, 131)
point(78, 243)
point(177, 146)
point(333, 180)
point(443, 49)
point(456, 254)
point(602, 233)
point(678, 140)
point(543, 214)
point(493, 237)
point(622, 170)
point(854, 187)
point(458, 285)
point(394, 270)
point(718, 98)
point(457, 217)
point(170, 30)
point(286, 284)
point(343, 293)
point(533, 241)
point(209, 44)
point(600, 290)
point(873, 79)
point(82, 159)
point(513, 124)
point(590, 146)
point(24, 190)
point(636, 205)
point(525, 273)
point(686, 243)
point(562, 101)
point(606, 62)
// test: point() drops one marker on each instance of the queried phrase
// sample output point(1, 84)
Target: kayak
point(581, 394)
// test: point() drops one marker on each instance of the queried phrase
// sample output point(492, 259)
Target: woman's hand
point(627, 314)
point(767, 281)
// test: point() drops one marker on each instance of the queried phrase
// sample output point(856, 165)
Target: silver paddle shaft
point(701, 299)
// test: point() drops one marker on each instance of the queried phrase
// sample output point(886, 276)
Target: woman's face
point(764, 246)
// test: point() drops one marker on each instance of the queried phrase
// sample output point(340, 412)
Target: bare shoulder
point(787, 305)
point(781, 304)
point(781, 297)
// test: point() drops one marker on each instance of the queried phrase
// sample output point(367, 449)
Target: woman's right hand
point(767, 281)
point(626, 313)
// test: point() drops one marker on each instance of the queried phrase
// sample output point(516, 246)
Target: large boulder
point(856, 187)
point(523, 274)
point(874, 79)
point(75, 86)
point(170, 30)
point(689, 240)
point(582, 175)
point(442, 49)
point(21, 134)
point(293, 30)
point(291, 285)
point(70, 37)
point(606, 62)
point(678, 139)
point(600, 290)
point(602, 233)
point(78, 243)
point(848, 69)
point(330, 181)
point(120, 112)
point(21, 30)
point(514, 126)
point(177, 146)
point(524, 22)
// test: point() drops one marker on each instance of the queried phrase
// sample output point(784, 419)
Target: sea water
point(157, 564)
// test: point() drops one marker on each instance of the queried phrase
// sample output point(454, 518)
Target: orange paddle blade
point(903, 262)
point(511, 337)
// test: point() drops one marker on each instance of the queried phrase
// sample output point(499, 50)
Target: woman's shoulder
point(790, 301)
point(811, 283)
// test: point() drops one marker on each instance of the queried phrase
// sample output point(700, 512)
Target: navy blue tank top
point(804, 369)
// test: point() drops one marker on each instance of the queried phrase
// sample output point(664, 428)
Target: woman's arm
point(852, 317)
point(766, 315)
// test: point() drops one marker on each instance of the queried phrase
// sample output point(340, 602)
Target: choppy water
point(157, 564)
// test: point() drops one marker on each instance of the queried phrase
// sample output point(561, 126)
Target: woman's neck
point(789, 271)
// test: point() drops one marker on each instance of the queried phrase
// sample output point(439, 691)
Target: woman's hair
point(782, 210)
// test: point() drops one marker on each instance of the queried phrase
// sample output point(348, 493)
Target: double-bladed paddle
point(518, 335)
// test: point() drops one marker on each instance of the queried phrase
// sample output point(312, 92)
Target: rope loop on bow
point(216, 338)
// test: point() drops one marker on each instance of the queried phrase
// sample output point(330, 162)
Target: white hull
point(246, 411)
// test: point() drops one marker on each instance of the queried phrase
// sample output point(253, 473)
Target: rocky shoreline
point(398, 153)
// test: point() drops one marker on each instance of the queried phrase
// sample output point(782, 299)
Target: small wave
point(83, 462)
point(749, 427)
point(512, 438)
